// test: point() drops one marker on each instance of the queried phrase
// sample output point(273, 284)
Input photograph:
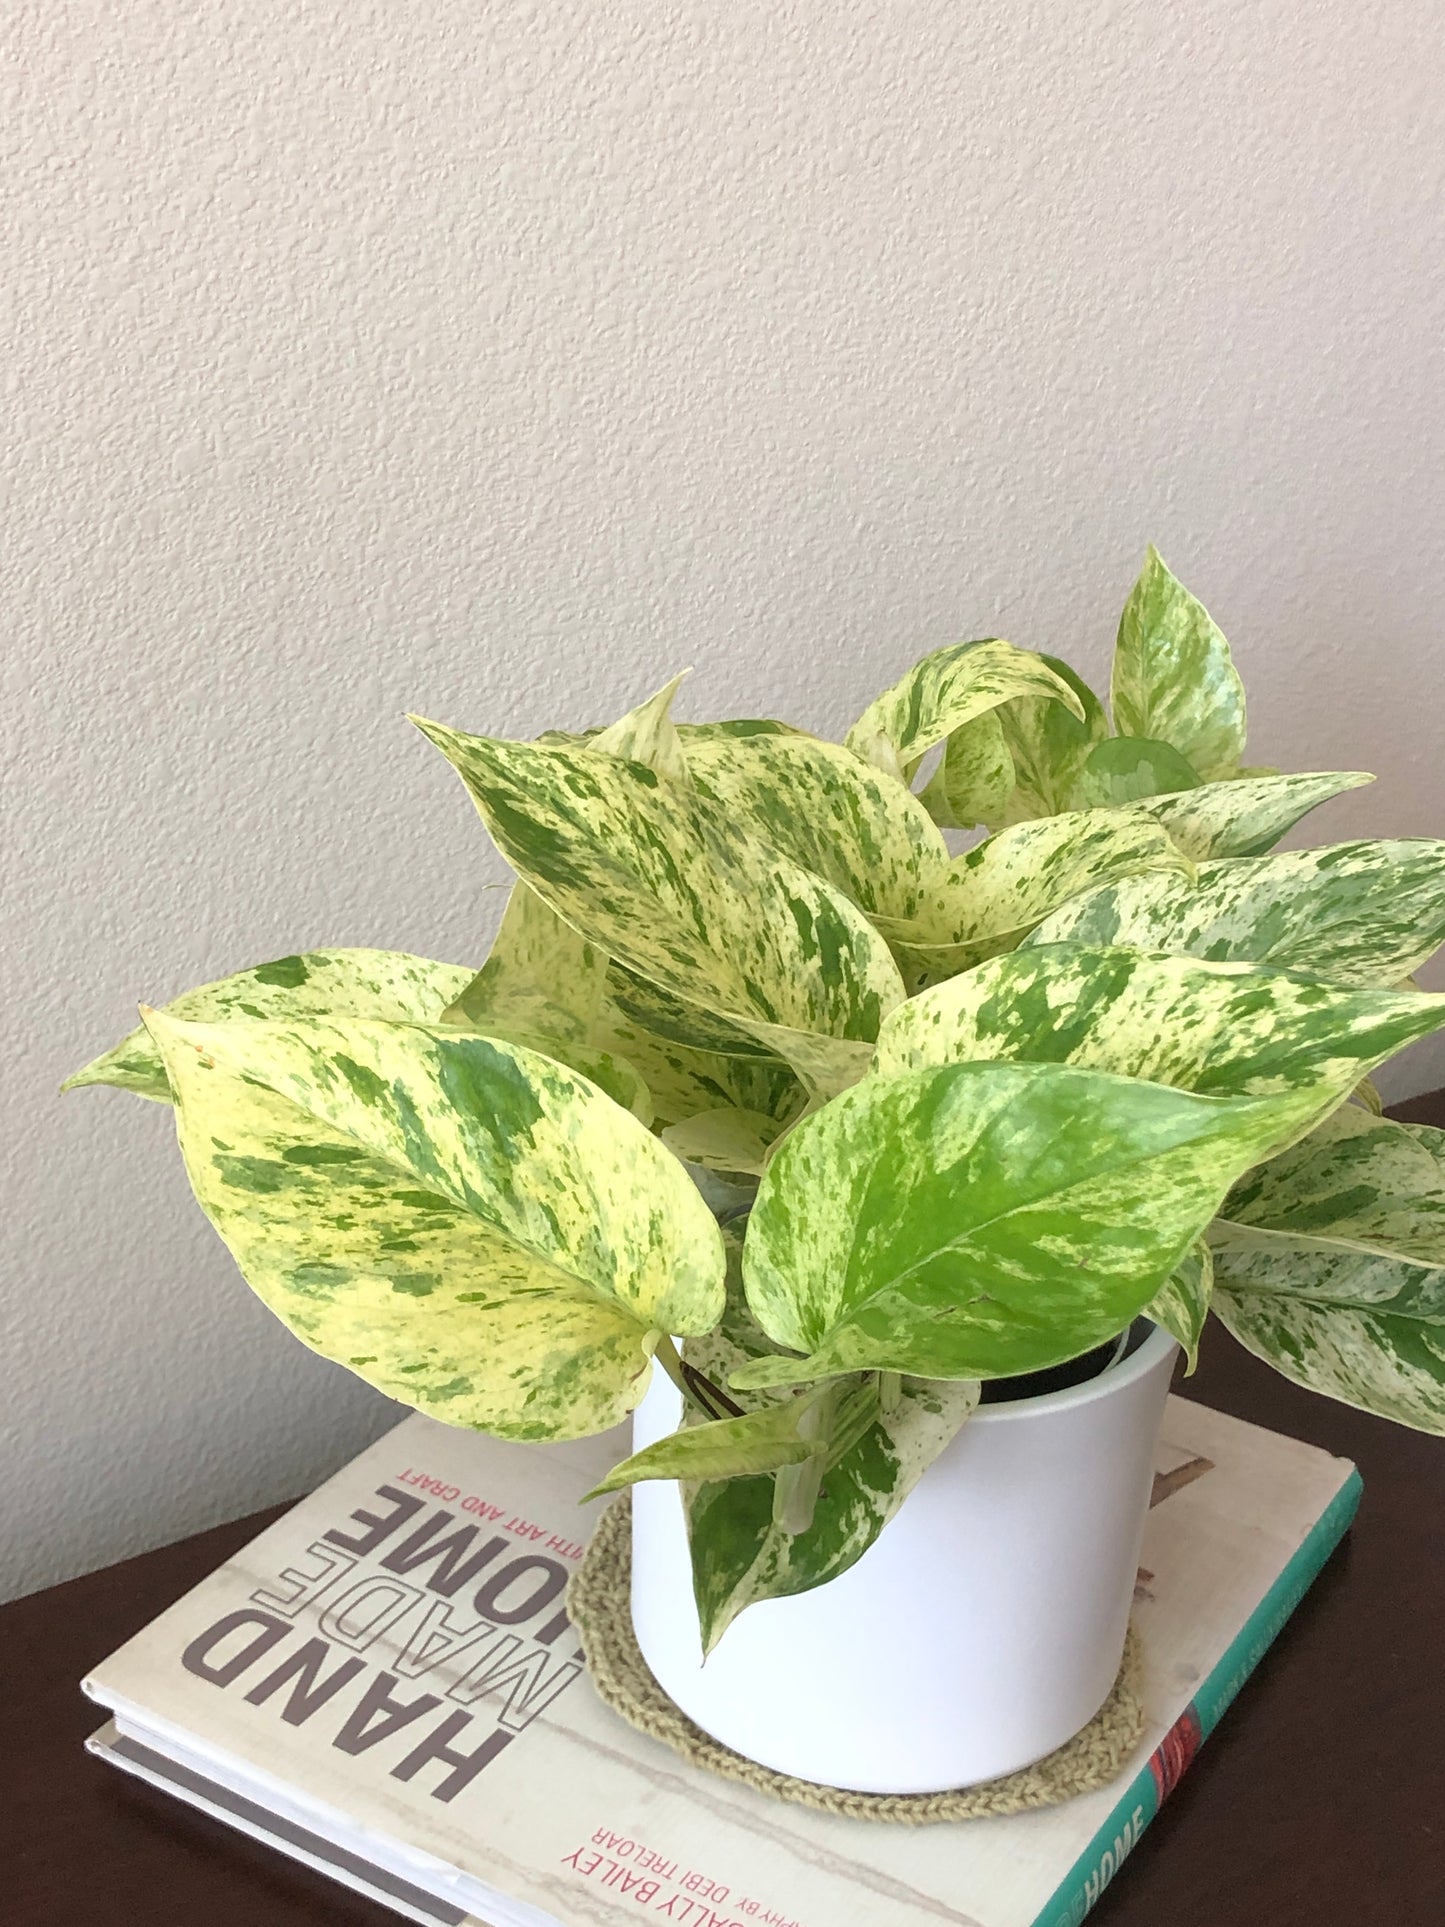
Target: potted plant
point(961, 1121)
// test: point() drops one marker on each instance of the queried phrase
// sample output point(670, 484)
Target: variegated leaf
point(683, 1080)
point(724, 1140)
point(860, 830)
point(740, 1551)
point(1355, 913)
point(1367, 1330)
point(1356, 1183)
point(725, 1448)
point(975, 776)
point(1181, 1303)
point(981, 1220)
point(1332, 1266)
point(648, 735)
point(1249, 815)
point(319, 983)
point(1128, 768)
point(989, 899)
point(1173, 676)
point(648, 873)
point(1223, 1029)
point(1049, 746)
point(943, 692)
point(467, 1225)
point(539, 975)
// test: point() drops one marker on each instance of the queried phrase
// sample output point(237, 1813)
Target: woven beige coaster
point(599, 1602)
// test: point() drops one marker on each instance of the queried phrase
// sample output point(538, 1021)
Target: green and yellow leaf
point(467, 1225)
point(1364, 1329)
point(741, 1553)
point(1248, 815)
point(975, 777)
point(1355, 913)
point(1356, 1183)
point(1173, 677)
point(320, 983)
point(648, 735)
point(649, 874)
point(945, 691)
point(1223, 1029)
point(726, 1139)
point(540, 975)
point(988, 900)
point(1181, 1303)
point(982, 1220)
point(862, 831)
point(1049, 746)
point(683, 1080)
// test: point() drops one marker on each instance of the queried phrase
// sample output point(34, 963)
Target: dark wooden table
point(1319, 1802)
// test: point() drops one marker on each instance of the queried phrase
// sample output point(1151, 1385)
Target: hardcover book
point(384, 1684)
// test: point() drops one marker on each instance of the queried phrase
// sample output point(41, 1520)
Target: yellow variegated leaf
point(651, 875)
point(1225, 1029)
point(1355, 913)
point(1181, 1303)
point(466, 1224)
point(540, 975)
point(860, 830)
point(975, 777)
point(741, 1551)
point(990, 898)
point(648, 735)
point(1246, 816)
point(319, 983)
point(683, 1080)
point(943, 692)
point(1049, 745)
point(1173, 678)
point(726, 1139)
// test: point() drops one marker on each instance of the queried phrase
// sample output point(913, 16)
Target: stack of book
point(385, 1686)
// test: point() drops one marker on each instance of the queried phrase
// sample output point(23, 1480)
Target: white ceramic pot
point(980, 1631)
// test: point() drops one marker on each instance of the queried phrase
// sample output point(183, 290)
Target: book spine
point(1161, 1773)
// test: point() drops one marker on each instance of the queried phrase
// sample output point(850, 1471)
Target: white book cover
point(391, 1663)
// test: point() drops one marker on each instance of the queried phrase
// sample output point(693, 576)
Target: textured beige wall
point(496, 360)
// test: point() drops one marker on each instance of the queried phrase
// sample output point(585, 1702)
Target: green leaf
point(989, 899)
point(1223, 1029)
point(724, 1448)
point(861, 831)
point(1246, 816)
point(980, 1220)
point(1181, 1303)
point(1127, 768)
point(975, 776)
point(1356, 1183)
point(1356, 913)
point(319, 983)
point(467, 1225)
point(1173, 677)
point(741, 1553)
point(727, 1139)
point(1049, 746)
point(1369, 1331)
point(539, 975)
point(943, 692)
point(651, 875)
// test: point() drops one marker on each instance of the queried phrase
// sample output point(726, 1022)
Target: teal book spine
point(1152, 1785)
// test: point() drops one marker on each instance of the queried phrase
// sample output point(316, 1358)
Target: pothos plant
point(969, 1115)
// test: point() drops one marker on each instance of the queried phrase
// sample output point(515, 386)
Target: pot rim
point(1114, 1378)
